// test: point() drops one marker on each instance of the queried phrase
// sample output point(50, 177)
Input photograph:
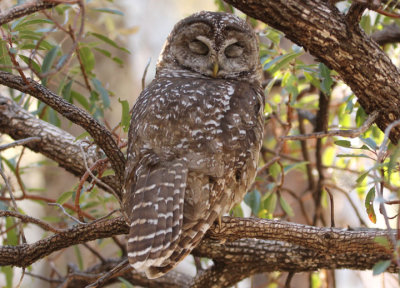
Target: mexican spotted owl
point(194, 139)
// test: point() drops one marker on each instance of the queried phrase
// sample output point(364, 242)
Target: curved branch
point(323, 31)
point(25, 9)
point(100, 134)
point(55, 143)
point(319, 247)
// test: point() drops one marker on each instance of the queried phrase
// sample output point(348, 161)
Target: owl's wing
point(156, 209)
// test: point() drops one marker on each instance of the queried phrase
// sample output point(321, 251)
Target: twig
point(20, 142)
point(344, 133)
point(14, 203)
point(29, 219)
point(100, 134)
point(119, 269)
point(380, 159)
point(66, 213)
point(332, 207)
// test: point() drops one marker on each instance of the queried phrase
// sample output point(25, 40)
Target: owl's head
point(213, 44)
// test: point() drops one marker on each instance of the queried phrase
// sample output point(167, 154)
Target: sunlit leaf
point(343, 143)
point(274, 170)
point(8, 272)
point(125, 116)
point(110, 11)
point(369, 205)
point(237, 211)
point(287, 168)
point(281, 61)
point(382, 241)
point(270, 203)
point(286, 207)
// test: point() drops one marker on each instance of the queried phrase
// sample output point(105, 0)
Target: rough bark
point(299, 248)
point(340, 43)
point(100, 134)
point(55, 143)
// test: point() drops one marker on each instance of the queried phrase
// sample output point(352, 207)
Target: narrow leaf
point(380, 267)
point(64, 197)
point(369, 205)
point(286, 207)
point(125, 117)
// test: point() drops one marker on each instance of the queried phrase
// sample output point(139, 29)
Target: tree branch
point(100, 134)
point(322, 30)
point(54, 143)
point(25, 9)
point(295, 247)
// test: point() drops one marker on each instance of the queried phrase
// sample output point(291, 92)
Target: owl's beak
point(215, 69)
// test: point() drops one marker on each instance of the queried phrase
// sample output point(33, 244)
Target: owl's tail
point(155, 206)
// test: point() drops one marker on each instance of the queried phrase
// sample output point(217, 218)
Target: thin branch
point(25, 9)
point(344, 133)
point(100, 134)
point(55, 143)
point(28, 219)
point(19, 142)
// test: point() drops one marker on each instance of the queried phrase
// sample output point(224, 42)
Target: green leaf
point(343, 143)
point(382, 241)
point(108, 172)
point(108, 10)
point(103, 92)
point(286, 207)
point(274, 170)
point(287, 168)
point(32, 22)
point(354, 156)
point(79, 257)
point(369, 205)
point(48, 62)
point(380, 267)
point(237, 211)
point(81, 99)
point(87, 57)
point(281, 61)
point(125, 117)
point(109, 41)
point(270, 203)
point(5, 59)
point(361, 178)
point(326, 80)
point(64, 197)
point(66, 91)
point(9, 275)
point(125, 282)
point(35, 66)
point(370, 143)
point(12, 237)
point(253, 199)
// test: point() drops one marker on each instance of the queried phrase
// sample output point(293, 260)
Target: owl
point(194, 139)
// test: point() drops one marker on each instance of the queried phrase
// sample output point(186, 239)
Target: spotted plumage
point(194, 139)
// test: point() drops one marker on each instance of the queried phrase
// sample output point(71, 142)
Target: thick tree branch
point(322, 30)
point(389, 34)
point(297, 247)
point(54, 143)
point(100, 134)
